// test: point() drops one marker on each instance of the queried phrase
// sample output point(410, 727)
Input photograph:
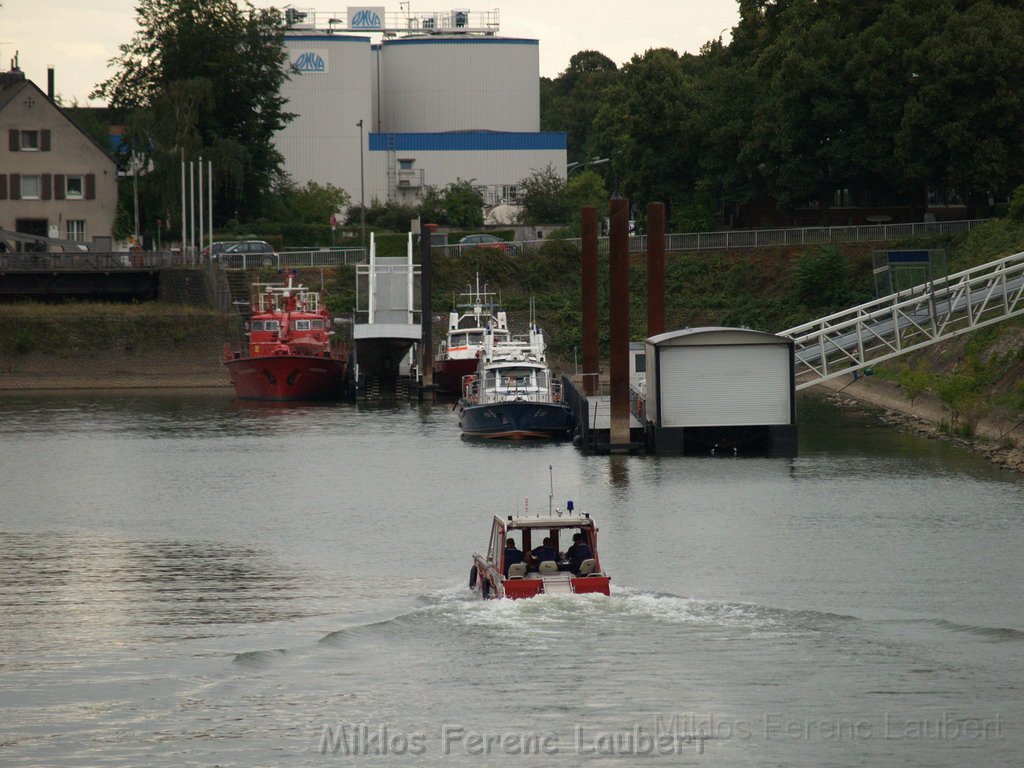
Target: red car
point(485, 241)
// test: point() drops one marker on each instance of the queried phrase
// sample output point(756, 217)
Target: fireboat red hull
point(448, 374)
point(287, 377)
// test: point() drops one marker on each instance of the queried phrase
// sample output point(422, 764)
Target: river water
point(189, 581)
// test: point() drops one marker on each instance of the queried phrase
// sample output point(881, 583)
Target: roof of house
point(11, 85)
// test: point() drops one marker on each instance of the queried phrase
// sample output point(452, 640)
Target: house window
point(29, 141)
point(29, 187)
point(76, 229)
point(405, 165)
point(509, 192)
point(75, 187)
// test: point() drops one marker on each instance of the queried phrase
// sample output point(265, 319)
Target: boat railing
point(477, 392)
point(269, 297)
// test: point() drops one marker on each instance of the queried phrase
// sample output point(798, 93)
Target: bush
point(821, 279)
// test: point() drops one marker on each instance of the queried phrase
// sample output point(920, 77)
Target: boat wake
point(992, 634)
point(626, 611)
point(259, 659)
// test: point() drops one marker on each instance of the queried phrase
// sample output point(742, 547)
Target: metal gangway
point(387, 325)
point(856, 338)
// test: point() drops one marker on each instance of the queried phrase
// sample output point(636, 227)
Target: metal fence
point(762, 238)
point(92, 260)
point(314, 257)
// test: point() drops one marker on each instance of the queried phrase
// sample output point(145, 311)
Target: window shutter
point(15, 139)
point(15, 186)
point(44, 140)
point(90, 186)
point(44, 183)
point(58, 186)
point(3, 186)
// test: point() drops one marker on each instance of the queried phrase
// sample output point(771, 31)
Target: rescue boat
point(458, 355)
point(495, 575)
point(289, 354)
point(513, 395)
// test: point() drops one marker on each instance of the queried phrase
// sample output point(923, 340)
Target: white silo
point(459, 83)
point(329, 96)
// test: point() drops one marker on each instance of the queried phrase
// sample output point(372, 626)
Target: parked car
point(215, 248)
point(487, 241)
point(253, 252)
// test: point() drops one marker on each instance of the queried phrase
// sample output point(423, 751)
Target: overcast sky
point(78, 37)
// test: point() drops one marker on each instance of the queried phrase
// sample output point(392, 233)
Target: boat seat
point(547, 567)
point(517, 571)
point(587, 566)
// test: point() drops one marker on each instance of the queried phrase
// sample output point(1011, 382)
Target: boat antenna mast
point(551, 488)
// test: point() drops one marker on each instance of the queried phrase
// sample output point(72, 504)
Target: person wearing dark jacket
point(512, 555)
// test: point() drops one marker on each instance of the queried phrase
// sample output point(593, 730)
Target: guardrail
point(759, 238)
point(313, 257)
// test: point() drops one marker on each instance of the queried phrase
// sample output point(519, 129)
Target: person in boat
point(512, 555)
point(578, 552)
point(544, 552)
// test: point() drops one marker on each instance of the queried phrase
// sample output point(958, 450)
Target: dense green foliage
point(460, 204)
point(203, 78)
point(875, 100)
point(549, 198)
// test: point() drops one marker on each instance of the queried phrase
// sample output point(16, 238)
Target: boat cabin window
point(256, 325)
point(475, 337)
point(457, 340)
point(302, 325)
point(519, 377)
point(318, 325)
point(272, 325)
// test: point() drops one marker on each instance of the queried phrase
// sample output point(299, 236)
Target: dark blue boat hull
point(517, 420)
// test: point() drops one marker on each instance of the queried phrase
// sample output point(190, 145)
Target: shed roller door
point(724, 386)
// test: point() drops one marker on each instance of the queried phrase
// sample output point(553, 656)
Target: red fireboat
point(290, 355)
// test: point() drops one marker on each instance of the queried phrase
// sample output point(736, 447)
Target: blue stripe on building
point(468, 141)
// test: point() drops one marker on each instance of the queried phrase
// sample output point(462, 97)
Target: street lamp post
point(362, 187)
point(584, 163)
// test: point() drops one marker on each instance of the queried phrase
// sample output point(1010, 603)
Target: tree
point(314, 203)
point(543, 197)
point(569, 102)
point(204, 77)
point(643, 127)
point(460, 204)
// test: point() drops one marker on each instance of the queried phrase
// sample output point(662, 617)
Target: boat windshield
point(518, 376)
point(466, 339)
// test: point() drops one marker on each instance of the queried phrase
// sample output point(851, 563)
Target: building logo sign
point(311, 62)
point(366, 18)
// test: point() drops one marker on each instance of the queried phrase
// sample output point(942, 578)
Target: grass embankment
point(978, 376)
point(80, 328)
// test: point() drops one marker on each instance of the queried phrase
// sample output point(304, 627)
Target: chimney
point(49, 82)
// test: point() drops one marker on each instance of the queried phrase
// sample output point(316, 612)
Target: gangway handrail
point(908, 320)
point(906, 295)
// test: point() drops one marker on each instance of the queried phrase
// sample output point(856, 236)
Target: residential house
point(55, 179)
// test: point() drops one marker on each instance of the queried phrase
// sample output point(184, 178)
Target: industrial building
point(387, 104)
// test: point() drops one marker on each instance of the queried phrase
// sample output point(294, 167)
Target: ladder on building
point(856, 338)
point(392, 166)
